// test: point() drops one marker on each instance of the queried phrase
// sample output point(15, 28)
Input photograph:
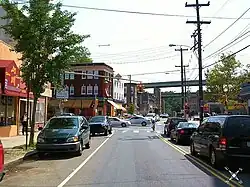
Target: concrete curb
point(19, 160)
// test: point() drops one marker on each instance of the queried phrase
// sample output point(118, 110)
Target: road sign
point(62, 94)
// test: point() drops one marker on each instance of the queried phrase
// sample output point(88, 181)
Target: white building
point(3, 36)
point(118, 89)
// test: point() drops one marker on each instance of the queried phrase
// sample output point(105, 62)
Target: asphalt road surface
point(134, 156)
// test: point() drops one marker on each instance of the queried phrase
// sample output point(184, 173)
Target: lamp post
point(181, 49)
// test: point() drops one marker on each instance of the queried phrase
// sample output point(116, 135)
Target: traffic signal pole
point(198, 23)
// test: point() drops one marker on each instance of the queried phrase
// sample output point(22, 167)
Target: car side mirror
point(40, 128)
point(83, 127)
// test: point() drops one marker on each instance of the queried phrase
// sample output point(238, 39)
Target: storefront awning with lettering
point(117, 106)
point(71, 103)
point(121, 107)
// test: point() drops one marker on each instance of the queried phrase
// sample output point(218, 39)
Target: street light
point(182, 67)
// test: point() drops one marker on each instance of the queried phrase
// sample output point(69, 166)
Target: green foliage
point(172, 103)
point(224, 80)
point(42, 34)
point(131, 109)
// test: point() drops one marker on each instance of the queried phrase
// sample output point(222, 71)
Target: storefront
point(116, 108)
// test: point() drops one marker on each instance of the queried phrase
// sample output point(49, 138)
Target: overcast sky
point(140, 43)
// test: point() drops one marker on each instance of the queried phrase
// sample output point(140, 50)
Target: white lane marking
point(83, 163)
point(136, 131)
point(148, 131)
point(124, 131)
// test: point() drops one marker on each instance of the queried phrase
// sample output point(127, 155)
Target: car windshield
point(62, 123)
point(187, 125)
point(150, 115)
point(97, 119)
point(238, 126)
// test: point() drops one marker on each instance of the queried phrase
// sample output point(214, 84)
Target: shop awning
point(114, 104)
point(121, 107)
point(71, 103)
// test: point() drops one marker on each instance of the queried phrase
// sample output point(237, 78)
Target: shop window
point(7, 111)
point(83, 90)
point(40, 110)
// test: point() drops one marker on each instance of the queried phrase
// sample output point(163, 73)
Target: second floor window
point(89, 76)
point(83, 90)
point(66, 76)
point(71, 90)
point(72, 76)
point(96, 72)
point(96, 90)
point(89, 90)
point(84, 74)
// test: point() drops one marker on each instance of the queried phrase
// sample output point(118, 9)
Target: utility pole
point(182, 78)
point(129, 91)
point(198, 22)
point(185, 81)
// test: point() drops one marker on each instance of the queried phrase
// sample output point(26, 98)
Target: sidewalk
point(10, 142)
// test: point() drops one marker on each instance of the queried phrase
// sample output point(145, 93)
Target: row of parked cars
point(222, 138)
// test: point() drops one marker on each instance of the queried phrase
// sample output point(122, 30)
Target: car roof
point(228, 116)
point(66, 117)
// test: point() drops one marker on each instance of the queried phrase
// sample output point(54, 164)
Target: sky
point(139, 44)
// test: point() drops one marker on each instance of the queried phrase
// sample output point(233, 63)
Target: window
point(66, 88)
point(84, 74)
point(125, 89)
point(66, 76)
point(96, 72)
point(72, 76)
point(89, 76)
point(71, 90)
point(96, 90)
point(83, 90)
point(89, 90)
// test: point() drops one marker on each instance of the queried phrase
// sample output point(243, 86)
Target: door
point(134, 120)
point(85, 130)
point(197, 137)
point(115, 122)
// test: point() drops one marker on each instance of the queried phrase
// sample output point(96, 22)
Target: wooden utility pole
point(198, 22)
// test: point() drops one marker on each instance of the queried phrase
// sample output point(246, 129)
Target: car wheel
point(171, 138)
point(143, 123)
point(164, 132)
point(79, 152)
point(106, 132)
point(177, 140)
point(87, 145)
point(213, 159)
point(41, 155)
point(123, 125)
point(110, 130)
point(192, 149)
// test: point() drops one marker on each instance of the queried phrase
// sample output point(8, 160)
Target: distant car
point(64, 134)
point(100, 124)
point(171, 123)
point(1, 161)
point(115, 121)
point(183, 131)
point(164, 116)
point(139, 120)
point(151, 116)
point(65, 114)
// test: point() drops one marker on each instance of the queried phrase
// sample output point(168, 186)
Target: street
point(131, 157)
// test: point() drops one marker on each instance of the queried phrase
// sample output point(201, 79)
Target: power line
point(227, 28)
point(139, 12)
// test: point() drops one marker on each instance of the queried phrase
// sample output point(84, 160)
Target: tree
point(172, 103)
point(42, 34)
point(131, 109)
point(224, 79)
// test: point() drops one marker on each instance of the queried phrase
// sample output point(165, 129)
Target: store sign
point(12, 78)
point(62, 94)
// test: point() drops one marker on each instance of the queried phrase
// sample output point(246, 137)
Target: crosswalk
point(137, 131)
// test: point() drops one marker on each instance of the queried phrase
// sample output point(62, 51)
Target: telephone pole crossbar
point(198, 22)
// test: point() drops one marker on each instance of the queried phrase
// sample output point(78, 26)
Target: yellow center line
point(202, 164)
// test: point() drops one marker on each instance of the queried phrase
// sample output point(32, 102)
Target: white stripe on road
point(124, 131)
point(148, 131)
point(83, 163)
point(136, 131)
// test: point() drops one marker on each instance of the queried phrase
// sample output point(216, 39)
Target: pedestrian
point(24, 121)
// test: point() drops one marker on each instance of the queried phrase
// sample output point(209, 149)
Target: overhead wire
point(209, 43)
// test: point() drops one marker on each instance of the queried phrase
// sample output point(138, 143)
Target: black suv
point(171, 123)
point(100, 124)
point(221, 138)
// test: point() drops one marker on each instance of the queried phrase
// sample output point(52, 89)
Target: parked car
point(115, 121)
point(64, 134)
point(139, 120)
point(222, 138)
point(171, 123)
point(64, 114)
point(100, 124)
point(1, 161)
point(164, 116)
point(182, 132)
point(151, 116)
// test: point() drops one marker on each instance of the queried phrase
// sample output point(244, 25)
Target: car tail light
point(182, 131)
point(222, 143)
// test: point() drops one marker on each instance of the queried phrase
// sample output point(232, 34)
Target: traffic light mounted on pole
point(140, 88)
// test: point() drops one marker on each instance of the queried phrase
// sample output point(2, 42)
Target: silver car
point(115, 121)
point(139, 120)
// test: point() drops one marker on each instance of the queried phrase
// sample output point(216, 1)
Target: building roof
point(92, 64)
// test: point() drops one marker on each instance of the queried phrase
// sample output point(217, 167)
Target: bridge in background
point(172, 84)
point(165, 95)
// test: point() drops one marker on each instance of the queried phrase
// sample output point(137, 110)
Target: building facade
point(133, 95)
point(90, 90)
point(118, 94)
